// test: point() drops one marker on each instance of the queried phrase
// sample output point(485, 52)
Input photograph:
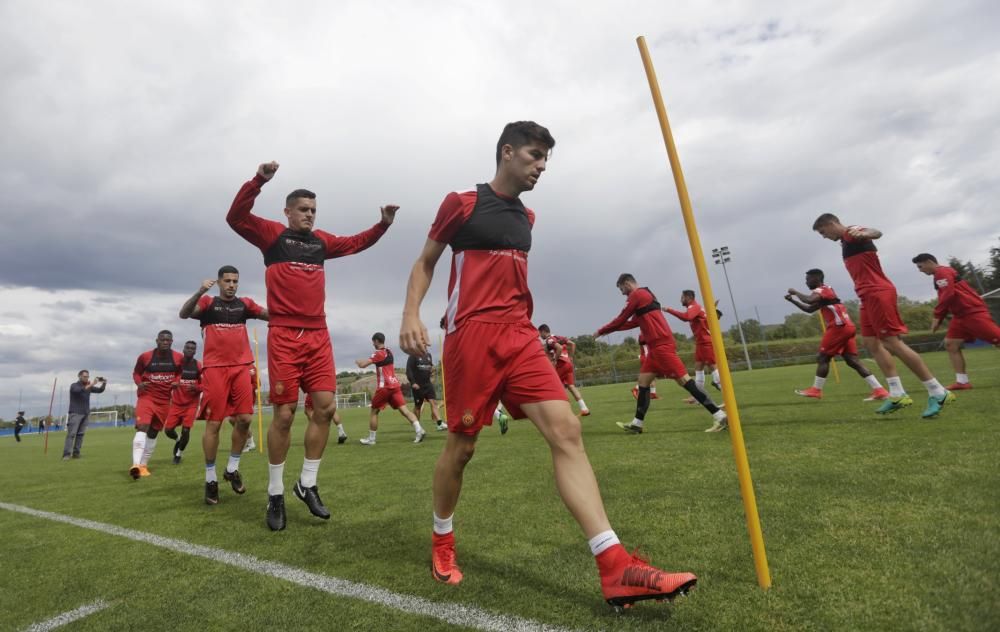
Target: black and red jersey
point(550, 347)
point(833, 311)
point(490, 236)
point(642, 310)
point(295, 280)
point(385, 372)
point(955, 295)
point(223, 326)
point(159, 371)
point(695, 316)
point(862, 263)
point(187, 389)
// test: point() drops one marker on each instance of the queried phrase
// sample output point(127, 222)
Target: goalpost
point(104, 417)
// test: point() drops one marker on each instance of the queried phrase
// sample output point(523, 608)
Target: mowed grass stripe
point(456, 614)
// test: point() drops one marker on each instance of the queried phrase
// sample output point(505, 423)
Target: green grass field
point(870, 523)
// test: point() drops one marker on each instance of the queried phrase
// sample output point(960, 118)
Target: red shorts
point(151, 412)
point(299, 358)
point(490, 362)
point(663, 361)
point(179, 416)
point(880, 315)
point(839, 341)
point(391, 396)
point(565, 372)
point(226, 391)
point(704, 353)
point(972, 327)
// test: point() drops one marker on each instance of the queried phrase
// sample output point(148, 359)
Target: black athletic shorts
point(426, 391)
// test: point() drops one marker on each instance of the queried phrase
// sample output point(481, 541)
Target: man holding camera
point(79, 412)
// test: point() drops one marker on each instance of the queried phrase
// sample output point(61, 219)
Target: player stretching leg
point(881, 324)
point(388, 391)
point(660, 359)
point(491, 352)
point(299, 351)
point(154, 375)
point(184, 401)
point(561, 350)
point(704, 354)
point(970, 318)
point(227, 360)
point(839, 336)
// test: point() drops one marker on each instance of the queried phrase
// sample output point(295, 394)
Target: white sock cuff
point(603, 541)
point(443, 526)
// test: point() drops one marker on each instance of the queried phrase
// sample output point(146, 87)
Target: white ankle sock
point(234, 462)
point(309, 470)
point(443, 526)
point(582, 404)
point(210, 475)
point(818, 382)
point(603, 541)
point(962, 378)
point(895, 386)
point(138, 445)
point(147, 450)
point(873, 382)
point(934, 388)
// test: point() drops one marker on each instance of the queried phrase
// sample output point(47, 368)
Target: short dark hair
point(228, 270)
point(544, 327)
point(688, 293)
point(81, 372)
point(191, 342)
point(923, 256)
point(379, 337)
point(521, 133)
point(298, 193)
point(815, 272)
point(165, 331)
point(824, 219)
point(623, 277)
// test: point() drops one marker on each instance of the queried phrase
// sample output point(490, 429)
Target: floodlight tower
point(722, 257)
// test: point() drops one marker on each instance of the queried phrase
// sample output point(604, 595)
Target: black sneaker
point(212, 493)
point(235, 480)
point(310, 496)
point(177, 459)
point(341, 439)
point(276, 512)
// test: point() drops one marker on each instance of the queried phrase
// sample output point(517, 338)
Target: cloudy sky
point(128, 127)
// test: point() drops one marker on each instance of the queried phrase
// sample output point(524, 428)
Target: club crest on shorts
point(279, 387)
point(467, 418)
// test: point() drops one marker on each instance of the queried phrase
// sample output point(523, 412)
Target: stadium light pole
point(722, 256)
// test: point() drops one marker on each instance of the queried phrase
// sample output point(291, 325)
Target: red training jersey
point(490, 236)
point(642, 310)
point(550, 347)
point(187, 389)
point(862, 263)
point(295, 280)
point(955, 295)
point(833, 311)
point(159, 371)
point(385, 372)
point(223, 326)
point(696, 317)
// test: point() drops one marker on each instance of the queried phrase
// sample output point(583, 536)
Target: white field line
point(68, 617)
point(457, 614)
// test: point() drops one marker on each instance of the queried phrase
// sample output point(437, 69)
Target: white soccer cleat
point(420, 436)
point(366, 441)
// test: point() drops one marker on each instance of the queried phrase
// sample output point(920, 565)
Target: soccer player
point(299, 351)
point(154, 375)
point(420, 375)
point(839, 336)
point(560, 351)
point(660, 358)
point(388, 390)
point(881, 324)
point(491, 353)
point(184, 400)
point(970, 318)
point(704, 354)
point(227, 360)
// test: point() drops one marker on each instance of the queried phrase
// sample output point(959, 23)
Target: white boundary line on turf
point(457, 614)
point(68, 617)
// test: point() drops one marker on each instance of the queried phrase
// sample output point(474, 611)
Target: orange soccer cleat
point(959, 386)
point(144, 471)
point(878, 394)
point(812, 391)
point(626, 579)
point(443, 566)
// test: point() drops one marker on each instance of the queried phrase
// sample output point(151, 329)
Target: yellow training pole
point(833, 361)
point(735, 431)
point(260, 412)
